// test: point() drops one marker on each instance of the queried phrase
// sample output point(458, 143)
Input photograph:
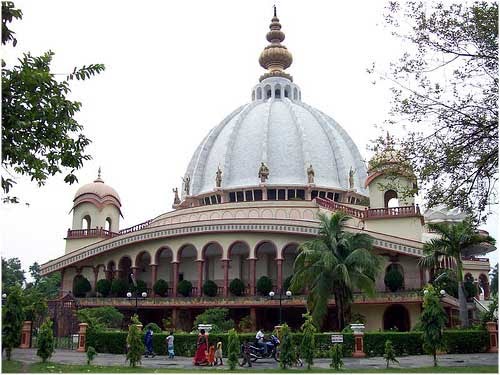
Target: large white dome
point(284, 133)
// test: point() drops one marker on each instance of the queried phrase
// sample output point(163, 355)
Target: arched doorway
point(212, 255)
point(142, 262)
point(125, 269)
point(396, 317)
point(391, 199)
point(266, 253)
point(238, 253)
point(484, 285)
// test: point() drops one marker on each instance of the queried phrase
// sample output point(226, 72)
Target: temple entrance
point(396, 317)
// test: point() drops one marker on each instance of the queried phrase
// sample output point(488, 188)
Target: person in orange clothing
point(211, 355)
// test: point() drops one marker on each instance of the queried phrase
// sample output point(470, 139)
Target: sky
point(174, 70)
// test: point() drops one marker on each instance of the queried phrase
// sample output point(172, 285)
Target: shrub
point(134, 343)
point(237, 287)
point(394, 280)
point(470, 289)
point(389, 353)
point(140, 288)
point(161, 288)
point(403, 343)
point(12, 321)
point(287, 355)
point(107, 316)
point(233, 349)
point(45, 341)
point(210, 288)
point(433, 319)
point(307, 344)
point(245, 324)
point(217, 317)
point(91, 353)
point(466, 341)
point(336, 354)
point(81, 286)
point(184, 288)
point(103, 287)
point(119, 288)
point(154, 327)
point(264, 285)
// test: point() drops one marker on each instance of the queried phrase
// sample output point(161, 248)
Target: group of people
point(207, 355)
point(148, 343)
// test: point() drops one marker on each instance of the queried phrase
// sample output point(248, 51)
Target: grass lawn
point(16, 367)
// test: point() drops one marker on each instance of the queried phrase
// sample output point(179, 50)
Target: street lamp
point(137, 296)
point(281, 297)
point(4, 298)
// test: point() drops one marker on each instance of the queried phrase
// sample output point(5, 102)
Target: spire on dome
point(99, 179)
point(275, 57)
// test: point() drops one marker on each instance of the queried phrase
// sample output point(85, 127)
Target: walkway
point(72, 357)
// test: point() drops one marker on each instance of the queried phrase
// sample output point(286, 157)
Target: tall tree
point(40, 135)
point(453, 240)
point(445, 96)
point(12, 320)
point(432, 319)
point(12, 273)
point(335, 262)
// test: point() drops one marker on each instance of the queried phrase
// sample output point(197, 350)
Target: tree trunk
point(435, 359)
point(462, 301)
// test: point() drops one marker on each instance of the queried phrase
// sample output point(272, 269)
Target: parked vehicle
point(257, 351)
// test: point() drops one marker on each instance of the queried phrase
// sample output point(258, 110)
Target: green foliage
point(336, 355)
point(444, 85)
point(389, 353)
point(307, 345)
point(394, 280)
point(119, 288)
point(40, 135)
point(237, 287)
point(287, 283)
point(287, 355)
point(12, 273)
point(358, 318)
point(494, 280)
point(107, 316)
point(103, 287)
point(233, 349)
point(210, 288)
point(264, 285)
point(45, 341)
point(12, 320)
point(433, 320)
point(218, 318)
point(404, 343)
point(245, 324)
point(492, 314)
point(9, 13)
point(184, 288)
point(91, 354)
point(447, 281)
point(466, 341)
point(335, 262)
point(470, 289)
point(154, 327)
point(134, 343)
point(140, 288)
point(160, 288)
point(81, 286)
point(34, 304)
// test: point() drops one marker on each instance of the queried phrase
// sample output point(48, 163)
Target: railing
point(370, 213)
point(96, 232)
point(474, 259)
point(136, 227)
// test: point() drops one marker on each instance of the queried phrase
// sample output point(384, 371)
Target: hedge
point(405, 343)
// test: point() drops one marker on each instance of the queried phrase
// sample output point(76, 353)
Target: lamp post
point(4, 298)
point(137, 296)
point(281, 297)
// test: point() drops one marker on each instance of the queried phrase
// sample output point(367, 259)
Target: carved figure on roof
point(351, 179)
point(186, 180)
point(310, 174)
point(176, 196)
point(218, 178)
point(263, 172)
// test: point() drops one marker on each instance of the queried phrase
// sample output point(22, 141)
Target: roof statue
point(263, 172)
point(310, 174)
point(218, 178)
point(176, 196)
point(351, 179)
point(186, 180)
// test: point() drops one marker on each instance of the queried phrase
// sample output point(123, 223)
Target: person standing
point(245, 351)
point(170, 345)
point(218, 354)
point(148, 342)
point(200, 357)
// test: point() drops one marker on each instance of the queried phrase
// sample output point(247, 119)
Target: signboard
point(337, 339)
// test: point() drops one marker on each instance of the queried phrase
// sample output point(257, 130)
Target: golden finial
point(275, 57)
point(99, 173)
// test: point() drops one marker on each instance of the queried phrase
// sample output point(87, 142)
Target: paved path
point(72, 357)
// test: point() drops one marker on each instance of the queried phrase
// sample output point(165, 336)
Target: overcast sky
point(173, 71)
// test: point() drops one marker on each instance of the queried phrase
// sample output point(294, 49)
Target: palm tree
point(454, 240)
point(335, 262)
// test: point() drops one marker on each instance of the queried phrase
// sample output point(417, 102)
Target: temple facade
point(250, 196)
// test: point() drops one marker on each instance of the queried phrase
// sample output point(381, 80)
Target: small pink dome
point(98, 192)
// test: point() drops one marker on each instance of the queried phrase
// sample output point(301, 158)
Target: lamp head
point(129, 295)
point(288, 293)
point(271, 294)
point(144, 294)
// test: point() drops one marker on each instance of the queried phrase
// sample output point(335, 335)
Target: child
point(218, 354)
point(245, 349)
point(211, 356)
point(170, 345)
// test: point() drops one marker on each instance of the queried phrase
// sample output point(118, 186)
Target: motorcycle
point(257, 350)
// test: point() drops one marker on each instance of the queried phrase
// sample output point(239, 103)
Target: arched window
point(394, 278)
point(269, 92)
point(259, 93)
point(277, 91)
point(107, 224)
point(396, 318)
point(86, 222)
point(391, 199)
point(295, 94)
point(253, 95)
point(287, 91)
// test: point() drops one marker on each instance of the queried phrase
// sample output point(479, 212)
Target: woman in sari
point(200, 357)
